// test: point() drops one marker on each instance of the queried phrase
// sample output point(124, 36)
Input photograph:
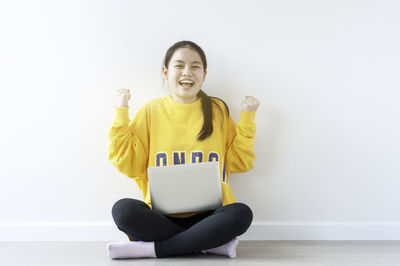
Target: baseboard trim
point(257, 231)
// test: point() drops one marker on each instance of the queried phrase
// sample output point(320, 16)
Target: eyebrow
point(180, 61)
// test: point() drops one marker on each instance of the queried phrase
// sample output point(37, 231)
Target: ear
point(165, 72)
point(205, 73)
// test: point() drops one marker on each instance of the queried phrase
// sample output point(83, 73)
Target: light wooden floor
point(250, 253)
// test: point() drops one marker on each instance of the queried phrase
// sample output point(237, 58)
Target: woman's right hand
point(121, 97)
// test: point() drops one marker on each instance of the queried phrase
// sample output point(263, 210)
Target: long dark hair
point(206, 101)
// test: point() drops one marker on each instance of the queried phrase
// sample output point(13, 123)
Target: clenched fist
point(250, 103)
point(121, 97)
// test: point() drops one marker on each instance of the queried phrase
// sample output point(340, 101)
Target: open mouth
point(186, 83)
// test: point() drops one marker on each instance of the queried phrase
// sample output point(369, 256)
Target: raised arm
point(129, 141)
point(240, 138)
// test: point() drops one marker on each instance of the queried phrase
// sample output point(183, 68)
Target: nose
point(186, 71)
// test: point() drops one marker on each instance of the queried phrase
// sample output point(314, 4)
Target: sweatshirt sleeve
point(240, 143)
point(129, 143)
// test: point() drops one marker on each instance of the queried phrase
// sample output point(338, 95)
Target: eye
point(178, 66)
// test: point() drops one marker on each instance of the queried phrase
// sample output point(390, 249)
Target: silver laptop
point(185, 187)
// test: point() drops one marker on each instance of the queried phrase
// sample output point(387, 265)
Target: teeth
point(186, 82)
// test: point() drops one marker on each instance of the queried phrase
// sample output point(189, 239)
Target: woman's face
point(185, 65)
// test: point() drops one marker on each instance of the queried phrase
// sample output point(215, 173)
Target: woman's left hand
point(250, 103)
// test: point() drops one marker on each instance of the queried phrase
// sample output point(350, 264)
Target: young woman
point(187, 126)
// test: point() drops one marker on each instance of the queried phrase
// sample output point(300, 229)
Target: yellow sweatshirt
point(164, 132)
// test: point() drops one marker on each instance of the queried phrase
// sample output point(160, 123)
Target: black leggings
point(178, 236)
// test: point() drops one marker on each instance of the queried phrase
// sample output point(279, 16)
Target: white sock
point(228, 249)
point(131, 249)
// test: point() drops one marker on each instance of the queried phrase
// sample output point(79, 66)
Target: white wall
point(326, 74)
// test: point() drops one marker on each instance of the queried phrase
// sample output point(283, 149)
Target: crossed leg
point(204, 231)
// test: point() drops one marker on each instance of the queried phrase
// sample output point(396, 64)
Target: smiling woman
point(185, 127)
